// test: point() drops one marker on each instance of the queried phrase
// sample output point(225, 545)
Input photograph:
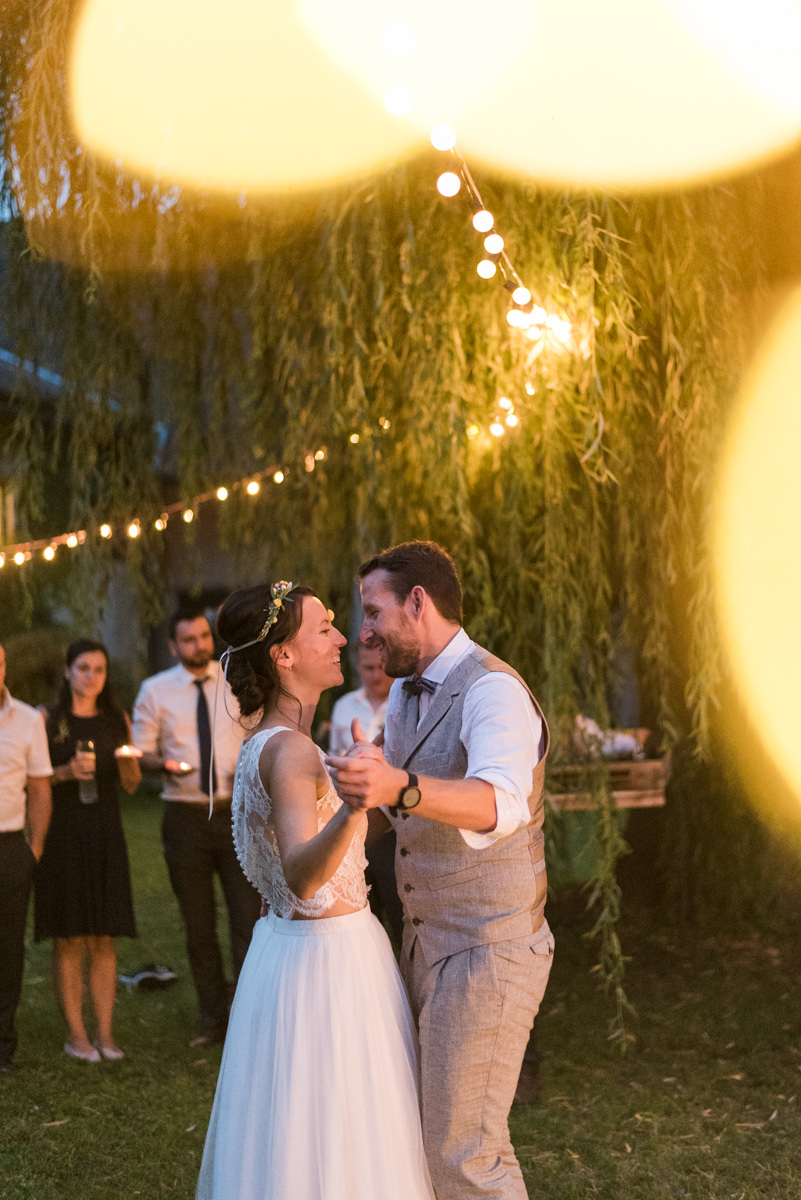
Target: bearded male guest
point(172, 724)
point(460, 778)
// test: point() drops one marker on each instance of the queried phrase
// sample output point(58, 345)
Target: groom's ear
point(416, 599)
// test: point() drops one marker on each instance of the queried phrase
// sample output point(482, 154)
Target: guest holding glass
point(83, 885)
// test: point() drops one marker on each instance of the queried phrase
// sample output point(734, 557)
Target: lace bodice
point(257, 848)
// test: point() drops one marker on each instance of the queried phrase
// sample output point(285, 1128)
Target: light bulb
point(2, 561)
point(397, 39)
point(253, 487)
point(189, 516)
point(496, 429)
point(72, 541)
point(222, 493)
point(384, 422)
point(309, 462)
point(278, 477)
point(493, 243)
point(398, 100)
point(537, 316)
point(516, 319)
point(443, 137)
point(512, 420)
point(160, 524)
point(505, 402)
point(486, 268)
point(472, 431)
point(19, 558)
point(319, 455)
point(105, 531)
point(530, 389)
point(483, 221)
point(133, 529)
point(448, 184)
point(354, 438)
point(521, 295)
point(49, 553)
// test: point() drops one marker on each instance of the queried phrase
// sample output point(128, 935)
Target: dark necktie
point(417, 684)
point(204, 739)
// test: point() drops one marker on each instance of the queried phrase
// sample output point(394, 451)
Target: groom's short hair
point(420, 564)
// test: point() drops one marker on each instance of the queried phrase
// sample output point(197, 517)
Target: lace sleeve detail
point(257, 847)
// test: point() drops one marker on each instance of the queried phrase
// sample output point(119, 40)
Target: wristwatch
point(409, 796)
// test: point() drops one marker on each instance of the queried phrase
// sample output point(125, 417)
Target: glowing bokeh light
point(222, 493)
point(160, 524)
point(443, 137)
point(278, 477)
point(133, 529)
point(173, 89)
point(758, 582)
point(505, 402)
point(516, 318)
point(253, 487)
point(49, 553)
point(19, 558)
point(486, 268)
point(493, 243)
point(496, 429)
point(448, 183)
point(521, 295)
point(512, 420)
point(397, 39)
point(105, 531)
point(188, 515)
point(72, 541)
point(483, 221)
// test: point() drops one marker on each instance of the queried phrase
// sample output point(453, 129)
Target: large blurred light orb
point(758, 545)
point(226, 97)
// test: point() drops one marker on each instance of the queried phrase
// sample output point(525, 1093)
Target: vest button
point(404, 851)
point(407, 887)
point(417, 921)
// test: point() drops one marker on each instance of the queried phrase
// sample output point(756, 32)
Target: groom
point(461, 779)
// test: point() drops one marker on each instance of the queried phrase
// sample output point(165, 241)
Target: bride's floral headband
point(280, 592)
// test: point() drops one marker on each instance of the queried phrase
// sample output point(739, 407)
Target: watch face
point(410, 797)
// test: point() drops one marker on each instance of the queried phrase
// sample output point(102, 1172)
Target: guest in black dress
point(83, 884)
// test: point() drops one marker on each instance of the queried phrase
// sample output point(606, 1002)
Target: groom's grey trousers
point(476, 952)
point(470, 1066)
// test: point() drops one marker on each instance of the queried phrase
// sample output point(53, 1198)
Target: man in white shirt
point(461, 779)
point(368, 706)
point(24, 798)
point(172, 725)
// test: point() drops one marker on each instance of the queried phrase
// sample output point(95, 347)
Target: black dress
point(83, 881)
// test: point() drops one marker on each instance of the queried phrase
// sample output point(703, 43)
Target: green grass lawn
point(705, 1107)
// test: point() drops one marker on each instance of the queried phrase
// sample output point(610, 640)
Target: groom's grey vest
point(455, 897)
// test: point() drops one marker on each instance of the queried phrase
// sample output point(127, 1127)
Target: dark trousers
point(383, 895)
point(195, 848)
point(16, 871)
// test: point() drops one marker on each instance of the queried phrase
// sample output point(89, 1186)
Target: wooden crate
point(634, 784)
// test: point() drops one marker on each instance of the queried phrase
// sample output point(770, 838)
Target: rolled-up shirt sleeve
point(502, 734)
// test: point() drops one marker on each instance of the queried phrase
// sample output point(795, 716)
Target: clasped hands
point(362, 776)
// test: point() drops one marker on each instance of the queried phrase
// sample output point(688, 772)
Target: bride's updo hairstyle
point(251, 672)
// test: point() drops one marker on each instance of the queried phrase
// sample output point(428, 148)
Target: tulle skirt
point(317, 1097)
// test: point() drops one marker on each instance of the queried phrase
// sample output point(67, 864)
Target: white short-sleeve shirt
point(23, 755)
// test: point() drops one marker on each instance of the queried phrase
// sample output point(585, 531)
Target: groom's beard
point(399, 654)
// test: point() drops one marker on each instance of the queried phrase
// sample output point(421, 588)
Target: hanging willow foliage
point(256, 332)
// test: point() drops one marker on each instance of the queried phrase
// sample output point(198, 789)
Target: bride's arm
point(291, 772)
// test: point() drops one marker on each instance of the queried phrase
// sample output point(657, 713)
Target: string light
point(278, 477)
point(72, 540)
point(188, 515)
point(222, 493)
point(2, 561)
point(496, 429)
point(448, 184)
point(49, 553)
point(473, 431)
point(483, 220)
point(309, 463)
point(486, 268)
point(521, 296)
point(253, 487)
point(319, 455)
point(133, 529)
point(160, 524)
point(384, 422)
point(105, 531)
point(354, 439)
point(443, 137)
point(506, 403)
point(19, 558)
point(398, 100)
point(512, 420)
point(493, 243)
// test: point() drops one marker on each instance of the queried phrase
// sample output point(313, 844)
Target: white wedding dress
point(317, 1097)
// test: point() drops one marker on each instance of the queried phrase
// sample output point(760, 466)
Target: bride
point(317, 1093)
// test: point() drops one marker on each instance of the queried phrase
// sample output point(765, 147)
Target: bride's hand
point(361, 748)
